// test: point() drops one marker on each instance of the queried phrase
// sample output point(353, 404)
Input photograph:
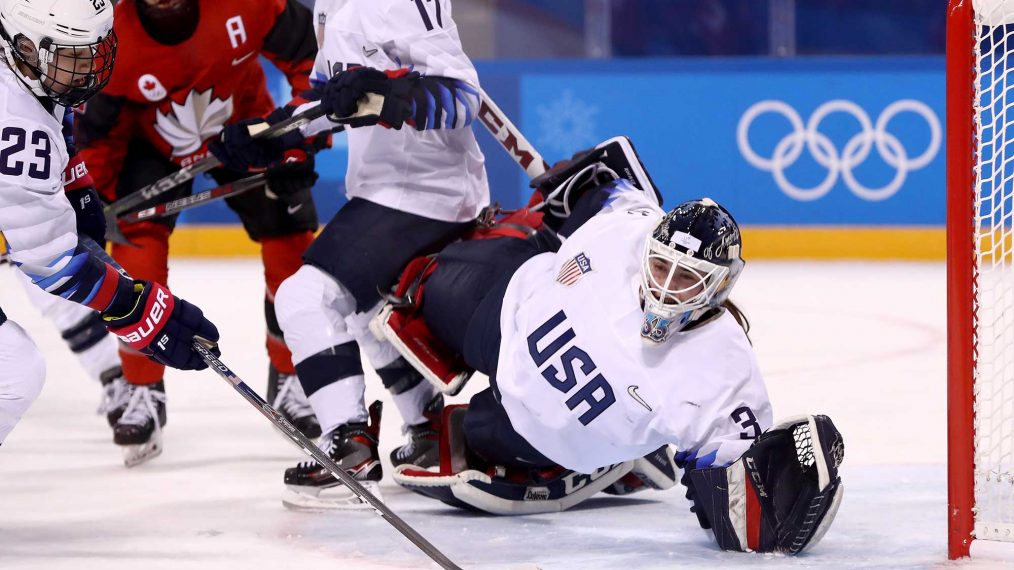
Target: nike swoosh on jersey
point(293, 209)
point(369, 52)
point(239, 60)
point(632, 390)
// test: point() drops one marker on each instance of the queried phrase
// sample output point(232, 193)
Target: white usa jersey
point(439, 174)
point(35, 216)
point(580, 385)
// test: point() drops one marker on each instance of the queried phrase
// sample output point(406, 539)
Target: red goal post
point(980, 277)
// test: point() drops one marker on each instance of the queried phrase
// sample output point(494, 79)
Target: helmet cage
point(664, 311)
point(63, 60)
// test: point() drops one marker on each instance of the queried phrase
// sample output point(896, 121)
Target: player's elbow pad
point(780, 496)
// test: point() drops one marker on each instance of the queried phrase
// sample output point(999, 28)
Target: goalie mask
point(691, 261)
point(62, 50)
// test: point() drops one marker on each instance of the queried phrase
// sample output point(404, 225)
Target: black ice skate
point(115, 394)
point(139, 428)
point(286, 395)
point(423, 448)
point(310, 486)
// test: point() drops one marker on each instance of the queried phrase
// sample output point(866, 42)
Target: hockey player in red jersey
point(186, 68)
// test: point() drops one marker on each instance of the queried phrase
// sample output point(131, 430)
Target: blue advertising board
point(798, 142)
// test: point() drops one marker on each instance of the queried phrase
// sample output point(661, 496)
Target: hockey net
point(980, 216)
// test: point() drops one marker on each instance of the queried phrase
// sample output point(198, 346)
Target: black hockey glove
point(343, 93)
point(88, 211)
point(162, 326)
point(290, 180)
point(238, 151)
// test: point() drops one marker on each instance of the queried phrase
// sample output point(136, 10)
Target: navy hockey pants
point(463, 296)
point(365, 246)
point(489, 433)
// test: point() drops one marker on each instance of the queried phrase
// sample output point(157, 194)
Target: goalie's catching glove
point(162, 326)
point(780, 496)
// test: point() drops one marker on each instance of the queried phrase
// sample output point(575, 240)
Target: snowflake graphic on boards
point(566, 125)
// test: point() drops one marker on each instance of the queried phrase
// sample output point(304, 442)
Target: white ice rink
point(861, 342)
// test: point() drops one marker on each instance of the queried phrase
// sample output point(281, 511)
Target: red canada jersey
point(177, 97)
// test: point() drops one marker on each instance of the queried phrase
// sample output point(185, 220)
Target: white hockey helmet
point(691, 261)
point(68, 46)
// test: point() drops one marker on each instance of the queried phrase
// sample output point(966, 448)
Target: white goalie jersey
point(437, 173)
point(580, 385)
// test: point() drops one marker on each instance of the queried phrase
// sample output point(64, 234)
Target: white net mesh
point(994, 290)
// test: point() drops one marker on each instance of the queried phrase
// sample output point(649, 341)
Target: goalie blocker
point(780, 496)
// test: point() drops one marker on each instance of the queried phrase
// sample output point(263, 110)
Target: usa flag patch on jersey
point(575, 268)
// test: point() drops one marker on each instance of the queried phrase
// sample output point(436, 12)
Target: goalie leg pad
point(468, 482)
point(432, 312)
point(782, 495)
point(401, 322)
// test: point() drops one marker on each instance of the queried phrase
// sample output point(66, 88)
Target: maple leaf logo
point(185, 127)
point(149, 84)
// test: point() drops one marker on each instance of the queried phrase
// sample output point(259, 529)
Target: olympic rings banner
point(796, 142)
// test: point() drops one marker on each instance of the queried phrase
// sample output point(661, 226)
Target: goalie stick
point(295, 436)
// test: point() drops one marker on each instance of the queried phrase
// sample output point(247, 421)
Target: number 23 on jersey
point(20, 150)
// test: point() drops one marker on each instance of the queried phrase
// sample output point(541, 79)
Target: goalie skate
point(353, 446)
point(139, 429)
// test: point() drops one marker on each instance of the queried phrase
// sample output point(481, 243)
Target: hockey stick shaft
point(297, 437)
point(187, 202)
point(322, 458)
point(188, 173)
point(509, 137)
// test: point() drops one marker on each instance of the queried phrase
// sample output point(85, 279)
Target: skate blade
point(134, 455)
point(337, 498)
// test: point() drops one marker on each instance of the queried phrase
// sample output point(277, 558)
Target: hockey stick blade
point(297, 437)
point(187, 202)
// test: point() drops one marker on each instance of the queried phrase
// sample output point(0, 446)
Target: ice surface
point(862, 342)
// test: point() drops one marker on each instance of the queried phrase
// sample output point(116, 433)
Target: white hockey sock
point(340, 403)
point(412, 402)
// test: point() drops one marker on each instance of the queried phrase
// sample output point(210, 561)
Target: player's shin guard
point(96, 350)
point(464, 480)
point(146, 260)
